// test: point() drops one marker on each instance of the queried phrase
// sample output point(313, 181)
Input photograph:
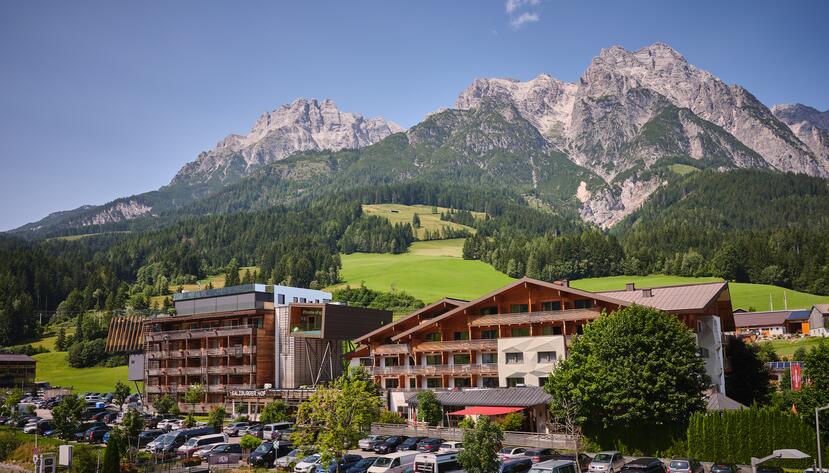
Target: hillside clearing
point(54, 368)
point(398, 213)
point(786, 348)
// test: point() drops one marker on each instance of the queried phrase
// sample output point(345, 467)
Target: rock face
point(304, 125)
point(634, 110)
point(808, 124)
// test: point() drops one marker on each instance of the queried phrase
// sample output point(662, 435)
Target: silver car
point(368, 443)
point(607, 462)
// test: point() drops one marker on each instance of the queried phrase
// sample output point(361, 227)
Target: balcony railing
point(198, 370)
point(200, 333)
point(434, 370)
point(201, 352)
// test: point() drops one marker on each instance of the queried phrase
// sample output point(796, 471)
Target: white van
point(195, 444)
point(392, 460)
point(436, 462)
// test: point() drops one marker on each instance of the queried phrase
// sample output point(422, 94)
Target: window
point(546, 357)
point(463, 382)
point(489, 310)
point(433, 383)
point(433, 337)
point(515, 358)
point(520, 332)
point(542, 381)
point(391, 361)
point(489, 334)
point(366, 362)
point(579, 329)
point(460, 336)
point(392, 383)
point(412, 383)
point(513, 382)
point(460, 359)
point(432, 360)
point(257, 322)
point(518, 308)
point(302, 300)
point(489, 358)
point(490, 382)
point(280, 299)
point(551, 330)
point(551, 305)
point(584, 303)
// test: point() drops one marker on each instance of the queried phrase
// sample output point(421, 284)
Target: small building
point(17, 371)
point(771, 323)
point(819, 320)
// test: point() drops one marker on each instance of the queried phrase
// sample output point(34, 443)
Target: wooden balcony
point(199, 333)
point(437, 370)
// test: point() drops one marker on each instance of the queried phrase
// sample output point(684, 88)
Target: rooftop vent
point(630, 286)
point(565, 282)
point(647, 293)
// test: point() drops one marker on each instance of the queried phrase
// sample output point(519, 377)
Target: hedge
point(736, 436)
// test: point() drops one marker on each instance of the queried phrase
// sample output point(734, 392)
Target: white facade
point(709, 341)
point(283, 295)
point(528, 361)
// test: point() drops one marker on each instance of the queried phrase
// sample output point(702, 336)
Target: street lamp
point(785, 453)
point(817, 436)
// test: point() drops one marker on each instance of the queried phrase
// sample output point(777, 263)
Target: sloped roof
point(822, 308)
point(720, 402)
point(14, 357)
point(687, 297)
point(534, 317)
point(456, 345)
point(761, 319)
point(445, 300)
point(495, 397)
point(798, 314)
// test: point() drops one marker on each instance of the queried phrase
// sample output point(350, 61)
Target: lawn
point(397, 213)
point(54, 368)
point(785, 348)
point(217, 280)
point(426, 272)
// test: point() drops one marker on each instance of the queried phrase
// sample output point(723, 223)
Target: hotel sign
point(253, 393)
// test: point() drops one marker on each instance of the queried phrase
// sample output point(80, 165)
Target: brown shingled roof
point(445, 300)
point(11, 357)
point(535, 317)
point(761, 319)
point(672, 298)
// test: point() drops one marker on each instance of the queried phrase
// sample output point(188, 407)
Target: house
point(819, 320)
point(771, 323)
point(17, 371)
point(245, 345)
point(516, 335)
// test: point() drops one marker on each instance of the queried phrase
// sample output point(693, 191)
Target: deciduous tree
point(481, 443)
point(428, 408)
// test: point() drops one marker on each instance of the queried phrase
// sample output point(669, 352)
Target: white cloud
point(528, 10)
point(523, 19)
point(513, 5)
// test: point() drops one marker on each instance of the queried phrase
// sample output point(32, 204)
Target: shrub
point(86, 354)
point(249, 442)
point(512, 422)
point(389, 417)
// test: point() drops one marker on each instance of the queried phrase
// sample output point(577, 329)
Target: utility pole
point(785, 301)
point(771, 303)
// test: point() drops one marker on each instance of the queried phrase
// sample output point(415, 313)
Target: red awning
point(485, 411)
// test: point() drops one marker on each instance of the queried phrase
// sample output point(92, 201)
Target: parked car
point(288, 461)
point(308, 464)
point(148, 436)
point(194, 444)
point(346, 462)
point(235, 428)
point(255, 430)
point(725, 468)
point(387, 463)
point(555, 466)
point(273, 431)
point(583, 460)
point(511, 452)
point(607, 462)
point(96, 434)
point(538, 455)
point(266, 453)
point(436, 462)
point(167, 424)
point(770, 469)
point(520, 464)
point(368, 443)
point(204, 452)
point(644, 465)
point(410, 444)
point(226, 448)
point(389, 445)
point(82, 428)
point(429, 445)
point(361, 466)
point(685, 465)
point(446, 446)
point(38, 427)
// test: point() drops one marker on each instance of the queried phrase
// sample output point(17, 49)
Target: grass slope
point(786, 348)
point(54, 368)
point(398, 213)
point(426, 272)
point(743, 295)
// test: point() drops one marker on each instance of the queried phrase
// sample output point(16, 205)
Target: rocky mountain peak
point(306, 124)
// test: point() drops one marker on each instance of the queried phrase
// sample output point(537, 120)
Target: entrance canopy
point(485, 411)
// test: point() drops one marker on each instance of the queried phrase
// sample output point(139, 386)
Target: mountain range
point(599, 148)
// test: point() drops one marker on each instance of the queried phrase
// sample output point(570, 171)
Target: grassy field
point(426, 272)
point(743, 295)
point(786, 348)
point(54, 368)
point(397, 213)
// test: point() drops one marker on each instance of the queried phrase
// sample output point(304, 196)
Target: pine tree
point(232, 277)
point(60, 342)
point(112, 456)
point(416, 221)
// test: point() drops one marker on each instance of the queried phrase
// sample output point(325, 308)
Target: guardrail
point(524, 439)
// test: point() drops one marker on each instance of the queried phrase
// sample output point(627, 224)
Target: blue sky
point(100, 100)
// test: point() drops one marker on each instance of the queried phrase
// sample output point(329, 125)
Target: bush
point(249, 442)
point(512, 422)
point(86, 354)
point(114, 361)
point(389, 417)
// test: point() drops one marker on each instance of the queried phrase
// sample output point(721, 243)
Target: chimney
point(647, 293)
point(630, 286)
